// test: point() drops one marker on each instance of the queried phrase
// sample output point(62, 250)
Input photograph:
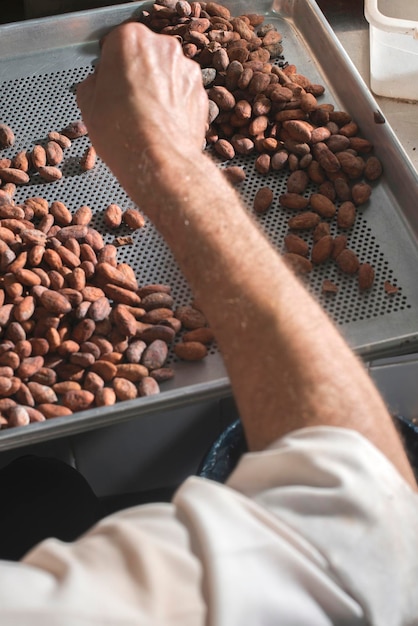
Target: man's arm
point(146, 110)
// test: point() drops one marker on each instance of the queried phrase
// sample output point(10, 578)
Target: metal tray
point(42, 60)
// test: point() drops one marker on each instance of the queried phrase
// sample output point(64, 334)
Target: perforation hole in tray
point(45, 102)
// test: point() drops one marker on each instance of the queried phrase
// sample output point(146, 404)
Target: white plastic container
point(393, 47)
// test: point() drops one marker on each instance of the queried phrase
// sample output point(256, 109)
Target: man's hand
point(144, 99)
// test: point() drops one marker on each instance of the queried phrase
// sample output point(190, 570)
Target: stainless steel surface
point(346, 18)
point(41, 61)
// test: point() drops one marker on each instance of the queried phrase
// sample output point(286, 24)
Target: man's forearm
point(288, 365)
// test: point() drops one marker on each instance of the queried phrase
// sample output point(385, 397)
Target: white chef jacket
point(319, 529)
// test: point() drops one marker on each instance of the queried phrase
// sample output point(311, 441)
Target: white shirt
point(320, 529)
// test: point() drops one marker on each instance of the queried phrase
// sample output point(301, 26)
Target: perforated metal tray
point(42, 60)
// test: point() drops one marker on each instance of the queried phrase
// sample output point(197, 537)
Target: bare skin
point(288, 365)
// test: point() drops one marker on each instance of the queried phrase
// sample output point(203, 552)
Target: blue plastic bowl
point(224, 453)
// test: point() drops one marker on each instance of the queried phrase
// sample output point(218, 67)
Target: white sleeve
point(135, 568)
point(339, 492)
point(317, 530)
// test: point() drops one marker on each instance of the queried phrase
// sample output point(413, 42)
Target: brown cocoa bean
point(124, 320)
point(133, 219)
point(42, 393)
point(134, 351)
point(152, 288)
point(296, 245)
point(338, 143)
point(155, 355)
point(224, 149)
point(326, 159)
point(110, 274)
point(279, 160)
point(361, 193)
point(69, 259)
point(77, 400)
point(61, 213)
point(124, 389)
point(322, 250)
point(29, 366)
point(348, 262)
point(45, 376)
point(105, 369)
point(21, 161)
point(105, 397)
point(7, 137)
point(190, 317)
point(359, 144)
point(242, 145)
point(373, 168)
point(18, 416)
point(12, 358)
point(297, 182)
point(102, 343)
point(299, 264)
point(327, 189)
point(99, 309)
point(304, 221)
point(24, 396)
point(148, 386)
point(55, 302)
point(234, 174)
point(156, 316)
point(91, 348)
point(54, 153)
point(88, 160)
point(351, 165)
point(131, 371)
point(322, 205)
point(82, 216)
point(262, 164)
point(365, 276)
point(162, 374)
point(202, 335)
point(14, 175)
point(113, 216)
point(50, 411)
point(75, 231)
point(316, 173)
point(38, 156)
point(298, 130)
point(66, 385)
point(263, 199)
point(61, 140)
point(34, 414)
point(74, 130)
point(190, 351)
point(346, 215)
point(158, 331)
point(222, 98)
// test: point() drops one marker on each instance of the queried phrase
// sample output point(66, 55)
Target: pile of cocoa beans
point(261, 106)
point(41, 161)
point(76, 329)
